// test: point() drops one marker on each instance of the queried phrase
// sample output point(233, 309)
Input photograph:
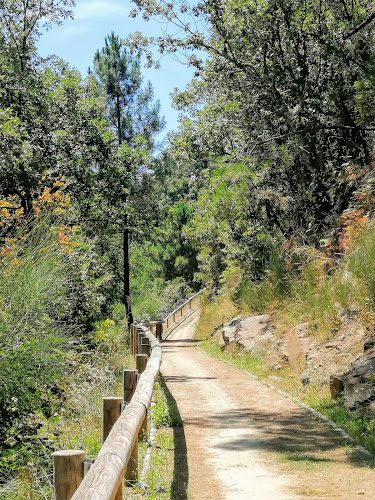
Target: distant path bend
point(245, 441)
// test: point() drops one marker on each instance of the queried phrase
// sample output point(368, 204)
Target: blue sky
point(76, 41)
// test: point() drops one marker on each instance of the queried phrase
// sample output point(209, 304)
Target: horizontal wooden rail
point(161, 326)
point(105, 476)
point(118, 457)
point(179, 308)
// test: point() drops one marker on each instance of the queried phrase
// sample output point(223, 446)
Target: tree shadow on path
point(181, 471)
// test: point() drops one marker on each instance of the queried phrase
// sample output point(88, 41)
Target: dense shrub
point(50, 292)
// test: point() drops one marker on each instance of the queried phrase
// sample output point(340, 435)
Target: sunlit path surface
point(242, 440)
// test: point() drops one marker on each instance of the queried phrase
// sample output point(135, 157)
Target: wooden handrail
point(105, 475)
point(118, 456)
point(181, 306)
point(165, 321)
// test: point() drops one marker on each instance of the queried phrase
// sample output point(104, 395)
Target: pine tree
point(132, 112)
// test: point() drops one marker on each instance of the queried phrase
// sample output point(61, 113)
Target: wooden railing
point(161, 326)
point(124, 423)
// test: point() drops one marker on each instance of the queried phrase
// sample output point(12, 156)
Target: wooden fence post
point(131, 473)
point(145, 346)
point(89, 462)
point(129, 379)
point(67, 472)
point(159, 330)
point(141, 363)
point(107, 472)
point(129, 384)
point(111, 412)
point(140, 335)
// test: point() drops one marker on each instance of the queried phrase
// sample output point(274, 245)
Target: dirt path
point(241, 440)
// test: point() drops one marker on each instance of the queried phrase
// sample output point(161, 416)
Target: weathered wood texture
point(105, 476)
point(111, 412)
point(141, 363)
point(129, 384)
point(67, 472)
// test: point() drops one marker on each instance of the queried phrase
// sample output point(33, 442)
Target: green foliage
point(174, 293)
point(134, 117)
point(160, 298)
point(160, 415)
point(274, 286)
point(146, 307)
point(359, 426)
point(177, 256)
point(144, 267)
point(276, 139)
point(131, 107)
point(162, 412)
point(33, 336)
point(230, 224)
point(153, 296)
point(242, 360)
point(60, 130)
point(50, 294)
point(284, 100)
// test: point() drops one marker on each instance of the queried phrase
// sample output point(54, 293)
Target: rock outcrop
point(247, 332)
point(359, 383)
point(345, 361)
point(294, 351)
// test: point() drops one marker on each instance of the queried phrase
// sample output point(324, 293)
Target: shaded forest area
point(266, 189)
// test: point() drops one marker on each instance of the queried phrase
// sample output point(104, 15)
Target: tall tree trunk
point(118, 112)
point(127, 302)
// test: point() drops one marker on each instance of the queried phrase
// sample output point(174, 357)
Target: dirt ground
point(241, 440)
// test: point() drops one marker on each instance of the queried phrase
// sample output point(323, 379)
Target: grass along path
point(244, 440)
point(156, 477)
point(359, 427)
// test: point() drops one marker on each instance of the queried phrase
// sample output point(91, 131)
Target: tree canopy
point(283, 97)
point(272, 163)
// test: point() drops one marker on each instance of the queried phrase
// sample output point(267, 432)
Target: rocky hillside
point(345, 362)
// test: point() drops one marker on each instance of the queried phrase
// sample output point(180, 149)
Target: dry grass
point(214, 314)
point(99, 376)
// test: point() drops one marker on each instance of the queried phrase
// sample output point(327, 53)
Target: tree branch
point(360, 27)
point(348, 16)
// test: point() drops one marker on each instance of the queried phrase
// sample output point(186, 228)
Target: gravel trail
point(241, 440)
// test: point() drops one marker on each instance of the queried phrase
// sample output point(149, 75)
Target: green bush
point(275, 285)
point(47, 287)
point(34, 295)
